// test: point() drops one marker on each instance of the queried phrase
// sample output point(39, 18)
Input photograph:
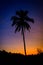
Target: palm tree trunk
point(24, 41)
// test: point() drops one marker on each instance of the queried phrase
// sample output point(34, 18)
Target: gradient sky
point(12, 42)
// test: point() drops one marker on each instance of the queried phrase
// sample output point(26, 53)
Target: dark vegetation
point(19, 59)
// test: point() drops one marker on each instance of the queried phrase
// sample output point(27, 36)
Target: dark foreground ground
point(18, 59)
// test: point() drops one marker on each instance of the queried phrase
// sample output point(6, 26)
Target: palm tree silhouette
point(20, 21)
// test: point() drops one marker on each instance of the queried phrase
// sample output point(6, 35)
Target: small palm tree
point(20, 21)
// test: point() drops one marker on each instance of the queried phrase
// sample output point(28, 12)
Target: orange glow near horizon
point(20, 49)
point(28, 52)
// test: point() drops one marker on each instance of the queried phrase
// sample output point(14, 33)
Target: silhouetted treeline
point(19, 59)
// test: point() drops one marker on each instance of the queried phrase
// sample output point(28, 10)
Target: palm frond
point(27, 26)
point(21, 13)
point(17, 29)
point(14, 22)
point(29, 19)
point(26, 12)
point(14, 19)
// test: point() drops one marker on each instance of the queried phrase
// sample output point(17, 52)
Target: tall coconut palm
point(21, 22)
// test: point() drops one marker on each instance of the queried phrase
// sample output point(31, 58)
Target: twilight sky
point(12, 42)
